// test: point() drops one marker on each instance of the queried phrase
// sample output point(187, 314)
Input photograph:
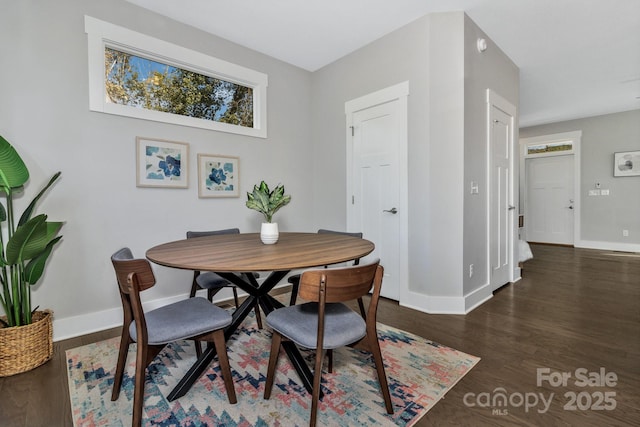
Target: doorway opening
point(550, 188)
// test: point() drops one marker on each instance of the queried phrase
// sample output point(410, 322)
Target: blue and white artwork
point(162, 163)
point(218, 176)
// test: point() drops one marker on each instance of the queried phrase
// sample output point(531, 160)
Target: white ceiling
point(577, 58)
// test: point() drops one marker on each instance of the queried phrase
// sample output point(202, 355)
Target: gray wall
point(489, 69)
point(446, 123)
point(44, 112)
point(397, 57)
point(604, 217)
point(445, 203)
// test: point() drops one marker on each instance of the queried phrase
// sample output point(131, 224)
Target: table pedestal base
point(258, 295)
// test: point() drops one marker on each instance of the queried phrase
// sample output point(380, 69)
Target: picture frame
point(626, 163)
point(218, 176)
point(161, 163)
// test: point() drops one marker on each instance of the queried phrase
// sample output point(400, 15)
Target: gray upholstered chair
point(295, 279)
point(211, 281)
point(193, 318)
point(325, 323)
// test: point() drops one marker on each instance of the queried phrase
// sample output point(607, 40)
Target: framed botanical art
point(162, 163)
point(626, 163)
point(218, 176)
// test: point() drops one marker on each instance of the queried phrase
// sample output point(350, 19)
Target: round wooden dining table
point(230, 254)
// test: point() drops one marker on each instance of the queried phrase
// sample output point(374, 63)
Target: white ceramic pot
point(269, 233)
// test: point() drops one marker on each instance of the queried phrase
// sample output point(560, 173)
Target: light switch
point(594, 192)
point(474, 187)
point(604, 192)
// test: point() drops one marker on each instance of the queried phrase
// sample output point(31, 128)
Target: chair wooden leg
point(374, 347)
point(276, 340)
point(125, 341)
point(363, 312)
point(144, 355)
point(223, 360)
point(138, 391)
point(317, 379)
point(198, 348)
point(330, 357)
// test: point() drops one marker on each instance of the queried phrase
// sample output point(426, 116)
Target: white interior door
point(376, 187)
point(549, 205)
point(501, 207)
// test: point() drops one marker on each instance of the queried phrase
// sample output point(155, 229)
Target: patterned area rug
point(419, 371)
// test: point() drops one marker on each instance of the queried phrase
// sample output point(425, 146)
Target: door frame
point(495, 100)
point(400, 93)
point(575, 137)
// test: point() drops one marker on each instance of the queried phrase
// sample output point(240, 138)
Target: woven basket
point(23, 348)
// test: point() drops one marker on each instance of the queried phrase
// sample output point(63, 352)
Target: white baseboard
point(477, 297)
point(71, 327)
point(83, 324)
point(75, 326)
point(447, 305)
point(517, 275)
point(608, 246)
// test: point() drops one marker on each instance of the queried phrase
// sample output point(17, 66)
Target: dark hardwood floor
point(574, 309)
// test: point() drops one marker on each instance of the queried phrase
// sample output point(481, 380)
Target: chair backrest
point(345, 233)
point(126, 265)
point(134, 276)
point(341, 284)
point(191, 234)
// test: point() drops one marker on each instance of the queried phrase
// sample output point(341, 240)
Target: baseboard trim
point(448, 305)
point(83, 324)
point(75, 326)
point(71, 327)
point(608, 246)
point(478, 297)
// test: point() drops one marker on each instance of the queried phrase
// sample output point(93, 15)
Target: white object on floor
point(524, 251)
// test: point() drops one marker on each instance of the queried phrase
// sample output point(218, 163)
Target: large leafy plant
point(25, 244)
point(267, 202)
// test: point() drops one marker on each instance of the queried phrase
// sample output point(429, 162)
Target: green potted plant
point(267, 202)
point(25, 246)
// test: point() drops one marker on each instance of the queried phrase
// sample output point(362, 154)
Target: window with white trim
point(557, 147)
point(135, 75)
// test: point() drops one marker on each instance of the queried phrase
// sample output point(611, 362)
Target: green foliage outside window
point(549, 148)
point(139, 82)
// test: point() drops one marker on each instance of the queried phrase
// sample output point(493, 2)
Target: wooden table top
point(245, 252)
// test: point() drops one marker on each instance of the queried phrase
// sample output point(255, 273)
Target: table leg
point(301, 367)
point(203, 362)
point(258, 295)
point(255, 294)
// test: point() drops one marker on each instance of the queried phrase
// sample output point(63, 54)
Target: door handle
point(392, 210)
point(511, 207)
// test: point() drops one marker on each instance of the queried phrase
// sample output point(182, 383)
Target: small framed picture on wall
point(161, 163)
point(626, 163)
point(218, 176)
